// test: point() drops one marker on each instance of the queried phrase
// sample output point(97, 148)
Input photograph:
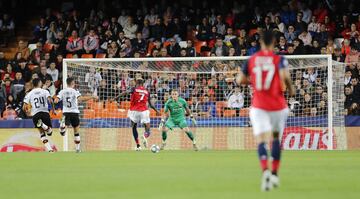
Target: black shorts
point(44, 117)
point(72, 119)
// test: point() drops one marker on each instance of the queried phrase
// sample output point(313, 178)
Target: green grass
point(175, 175)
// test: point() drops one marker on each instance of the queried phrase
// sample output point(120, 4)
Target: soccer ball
point(155, 148)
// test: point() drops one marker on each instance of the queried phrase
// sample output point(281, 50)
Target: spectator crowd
point(167, 29)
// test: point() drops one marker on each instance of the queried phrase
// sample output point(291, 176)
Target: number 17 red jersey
point(139, 99)
point(263, 69)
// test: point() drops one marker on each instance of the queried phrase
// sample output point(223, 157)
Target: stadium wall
point(18, 135)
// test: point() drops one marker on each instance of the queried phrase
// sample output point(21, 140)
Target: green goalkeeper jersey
point(177, 108)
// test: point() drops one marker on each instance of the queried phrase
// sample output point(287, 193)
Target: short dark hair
point(267, 37)
point(139, 81)
point(36, 82)
point(69, 80)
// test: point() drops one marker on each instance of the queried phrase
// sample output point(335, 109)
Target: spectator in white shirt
point(314, 26)
point(151, 17)
point(123, 18)
point(305, 36)
point(53, 72)
point(307, 13)
point(91, 42)
point(236, 101)
point(130, 29)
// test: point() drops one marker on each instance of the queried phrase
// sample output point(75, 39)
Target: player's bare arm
point(151, 105)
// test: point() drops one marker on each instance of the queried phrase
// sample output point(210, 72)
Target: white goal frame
point(327, 57)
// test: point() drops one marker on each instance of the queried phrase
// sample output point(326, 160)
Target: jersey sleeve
point(283, 64)
point(184, 103)
point(60, 95)
point(166, 107)
point(77, 93)
point(27, 98)
point(47, 94)
point(245, 68)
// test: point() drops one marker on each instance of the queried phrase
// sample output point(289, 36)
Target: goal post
point(316, 119)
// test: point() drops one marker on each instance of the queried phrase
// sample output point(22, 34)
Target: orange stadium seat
point(58, 114)
point(229, 113)
point(244, 112)
point(89, 114)
point(125, 105)
point(166, 43)
point(111, 105)
point(101, 55)
point(150, 47)
point(69, 56)
point(87, 56)
point(153, 113)
point(98, 106)
point(198, 46)
point(90, 104)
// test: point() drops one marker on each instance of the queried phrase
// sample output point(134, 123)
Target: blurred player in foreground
point(176, 107)
point(267, 73)
point(70, 98)
point(37, 100)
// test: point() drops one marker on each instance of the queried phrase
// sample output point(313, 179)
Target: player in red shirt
point(267, 73)
point(139, 111)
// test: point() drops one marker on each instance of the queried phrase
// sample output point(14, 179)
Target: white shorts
point(268, 121)
point(142, 117)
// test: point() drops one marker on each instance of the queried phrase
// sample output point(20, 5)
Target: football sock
point(77, 141)
point(164, 136)
point(275, 154)
point(263, 156)
point(136, 135)
point(45, 141)
point(147, 133)
point(62, 130)
point(190, 135)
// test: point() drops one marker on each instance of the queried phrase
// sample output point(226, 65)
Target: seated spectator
point(353, 57)
point(157, 30)
point(228, 37)
point(220, 49)
point(268, 25)
point(37, 54)
point(11, 103)
point(208, 108)
point(139, 43)
point(130, 28)
point(169, 30)
point(114, 26)
point(24, 70)
point(127, 48)
point(323, 35)
point(92, 79)
point(8, 73)
point(356, 88)
point(113, 50)
point(338, 56)
point(300, 25)
point(305, 37)
point(51, 33)
point(174, 48)
point(353, 33)
point(345, 49)
point(315, 49)
point(40, 31)
point(7, 29)
point(151, 17)
point(195, 106)
point(8, 88)
point(18, 83)
point(220, 25)
point(310, 74)
point(349, 97)
point(75, 44)
point(204, 30)
point(347, 77)
point(49, 85)
point(279, 25)
point(84, 29)
point(123, 19)
point(53, 72)
point(236, 101)
point(145, 30)
point(330, 47)
point(23, 49)
point(253, 48)
point(308, 88)
point(318, 94)
point(313, 27)
point(91, 43)
point(290, 34)
point(43, 75)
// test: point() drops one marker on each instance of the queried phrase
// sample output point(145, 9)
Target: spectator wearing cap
point(91, 42)
point(75, 44)
point(43, 75)
point(23, 49)
point(174, 48)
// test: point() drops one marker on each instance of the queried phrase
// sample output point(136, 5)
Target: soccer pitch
point(176, 174)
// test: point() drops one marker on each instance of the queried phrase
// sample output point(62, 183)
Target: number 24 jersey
point(38, 99)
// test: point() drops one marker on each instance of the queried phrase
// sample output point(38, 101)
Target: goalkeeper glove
point(193, 121)
point(161, 125)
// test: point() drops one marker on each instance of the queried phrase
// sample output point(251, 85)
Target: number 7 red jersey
point(139, 99)
point(263, 69)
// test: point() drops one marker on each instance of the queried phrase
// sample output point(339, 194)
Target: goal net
point(220, 107)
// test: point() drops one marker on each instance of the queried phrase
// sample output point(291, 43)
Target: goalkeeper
point(177, 107)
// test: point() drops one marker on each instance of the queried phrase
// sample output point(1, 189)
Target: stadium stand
point(99, 29)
